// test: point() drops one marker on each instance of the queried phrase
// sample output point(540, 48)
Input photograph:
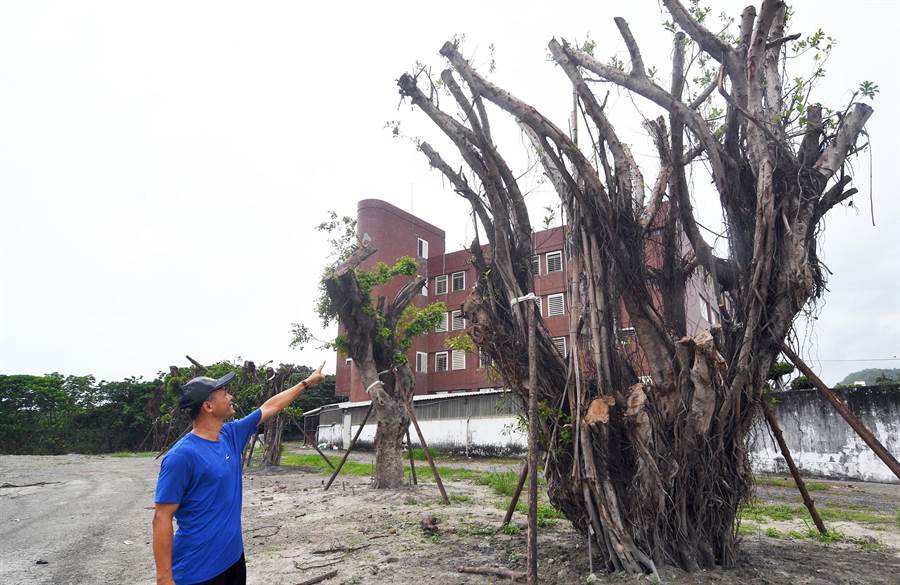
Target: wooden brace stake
point(861, 430)
point(350, 448)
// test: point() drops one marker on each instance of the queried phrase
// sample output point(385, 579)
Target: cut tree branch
point(833, 158)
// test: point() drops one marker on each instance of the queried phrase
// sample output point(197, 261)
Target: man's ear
point(207, 406)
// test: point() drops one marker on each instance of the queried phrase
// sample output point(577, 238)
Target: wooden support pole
point(531, 550)
point(319, 451)
point(335, 473)
point(515, 497)
point(437, 477)
point(779, 438)
point(861, 430)
point(316, 447)
point(166, 450)
point(412, 463)
point(252, 447)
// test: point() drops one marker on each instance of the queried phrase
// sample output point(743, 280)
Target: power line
point(893, 359)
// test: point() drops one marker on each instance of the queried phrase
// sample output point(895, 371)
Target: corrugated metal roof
point(419, 398)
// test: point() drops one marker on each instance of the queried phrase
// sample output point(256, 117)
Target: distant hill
point(870, 375)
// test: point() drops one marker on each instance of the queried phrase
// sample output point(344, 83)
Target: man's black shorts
point(236, 574)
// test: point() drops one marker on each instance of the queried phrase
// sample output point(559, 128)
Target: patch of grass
point(515, 556)
point(812, 486)
point(897, 517)
point(773, 532)
point(862, 516)
point(457, 499)
point(547, 515)
point(133, 454)
point(761, 511)
point(419, 454)
point(316, 462)
point(476, 530)
point(747, 528)
point(504, 483)
point(511, 529)
point(811, 533)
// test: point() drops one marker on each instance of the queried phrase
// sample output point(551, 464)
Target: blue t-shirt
point(204, 478)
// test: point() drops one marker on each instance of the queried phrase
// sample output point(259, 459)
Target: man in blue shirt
point(200, 486)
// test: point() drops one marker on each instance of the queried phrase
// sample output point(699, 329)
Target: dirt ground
point(90, 523)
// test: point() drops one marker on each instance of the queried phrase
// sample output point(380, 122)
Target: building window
point(459, 359)
point(626, 332)
point(708, 312)
point(442, 326)
point(536, 265)
point(422, 248)
point(556, 305)
point(459, 281)
point(484, 360)
point(560, 343)
point(440, 361)
point(440, 285)
point(421, 362)
point(554, 262)
point(457, 321)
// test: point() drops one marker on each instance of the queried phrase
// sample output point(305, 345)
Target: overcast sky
point(163, 165)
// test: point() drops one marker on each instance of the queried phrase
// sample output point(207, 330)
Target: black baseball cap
point(198, 389)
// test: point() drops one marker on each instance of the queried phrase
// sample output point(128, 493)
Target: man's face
point(220, 402)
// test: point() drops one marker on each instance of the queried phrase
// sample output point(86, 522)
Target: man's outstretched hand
point(316, 377)
point(277, 403)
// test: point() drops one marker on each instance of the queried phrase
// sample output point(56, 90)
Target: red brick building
point(451, 278)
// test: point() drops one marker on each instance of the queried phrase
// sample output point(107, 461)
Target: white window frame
point(443, 325)
point(626, 332)
point(562, 300)
point(437, 357)
point(422, 248)
point(438, 280)
point(484, 359)
point(709, 313)
point(536, 259)
point(453, 281)
point(563, 349)
point(457, 318)
point(421, 362)
point(557, 254)
point(458, 355)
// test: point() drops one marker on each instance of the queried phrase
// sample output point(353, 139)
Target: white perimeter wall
point(482, 434)
point(821, 442)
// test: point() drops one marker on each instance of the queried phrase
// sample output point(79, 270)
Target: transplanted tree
point(657, 470)
point(376, 333)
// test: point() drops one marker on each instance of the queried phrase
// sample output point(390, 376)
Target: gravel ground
point(90, 523)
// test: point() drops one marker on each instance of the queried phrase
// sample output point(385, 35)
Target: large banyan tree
point(654, 471)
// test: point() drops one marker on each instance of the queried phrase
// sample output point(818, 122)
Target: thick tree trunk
point(392, 426)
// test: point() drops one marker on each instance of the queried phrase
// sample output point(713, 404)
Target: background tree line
point(54, 413)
